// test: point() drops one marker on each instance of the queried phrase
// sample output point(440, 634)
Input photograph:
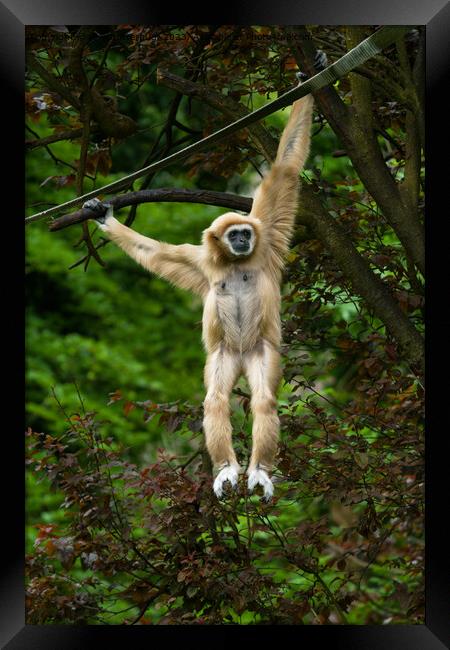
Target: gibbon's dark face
point(240, 239)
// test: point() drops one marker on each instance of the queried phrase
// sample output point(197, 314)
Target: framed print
point(225, 353)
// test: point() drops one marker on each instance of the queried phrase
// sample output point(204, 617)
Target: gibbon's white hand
point(320, 63)
point(103, 210)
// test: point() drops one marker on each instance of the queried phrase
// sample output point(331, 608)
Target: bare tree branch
point(55, 137)
point(169, 195)
point(411, 183)
point(418, 75)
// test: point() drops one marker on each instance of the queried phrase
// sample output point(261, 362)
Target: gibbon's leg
point(263, 371)
point(221, 371)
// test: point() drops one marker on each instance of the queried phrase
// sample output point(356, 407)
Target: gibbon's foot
point(320, 63)
point(102, 210)
point(228, 473)
point(259, 476)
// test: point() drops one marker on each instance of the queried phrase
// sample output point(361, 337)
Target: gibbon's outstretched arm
point(178, 264)
point(276, 199)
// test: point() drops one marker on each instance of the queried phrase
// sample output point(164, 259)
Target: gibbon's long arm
point(178, 264)
point(276, 199)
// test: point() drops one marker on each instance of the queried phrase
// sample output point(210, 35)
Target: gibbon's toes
point(99, 208)
point(260, 477)
point(228, 473)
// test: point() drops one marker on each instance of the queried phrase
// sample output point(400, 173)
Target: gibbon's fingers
point(320, 60)
point(103, 211)
point(320, 63)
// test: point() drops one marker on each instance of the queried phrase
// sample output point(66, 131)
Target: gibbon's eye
point(247, 233)
point(232, 234)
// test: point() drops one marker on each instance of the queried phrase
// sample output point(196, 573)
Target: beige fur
point(241, 295)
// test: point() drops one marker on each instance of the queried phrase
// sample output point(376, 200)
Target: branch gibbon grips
point(237, 271)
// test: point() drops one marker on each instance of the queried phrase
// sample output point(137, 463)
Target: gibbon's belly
point(238, 307)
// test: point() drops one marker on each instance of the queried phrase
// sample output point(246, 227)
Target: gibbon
point(237, 270)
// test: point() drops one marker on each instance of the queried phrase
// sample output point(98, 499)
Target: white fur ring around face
point(260, 477)
point(228, 473)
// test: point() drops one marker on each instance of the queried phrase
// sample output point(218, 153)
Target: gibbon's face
point(232, 237)
point(239, 238)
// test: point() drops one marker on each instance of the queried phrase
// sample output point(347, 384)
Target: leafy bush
point(341, 541)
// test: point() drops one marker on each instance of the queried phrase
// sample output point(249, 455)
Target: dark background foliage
point(123, 526)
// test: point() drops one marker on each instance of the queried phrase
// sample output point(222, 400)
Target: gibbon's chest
point(238, 308)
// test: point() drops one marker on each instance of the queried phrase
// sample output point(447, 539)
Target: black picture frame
point(435, 14)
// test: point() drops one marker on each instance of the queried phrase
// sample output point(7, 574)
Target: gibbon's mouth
point(241, 250)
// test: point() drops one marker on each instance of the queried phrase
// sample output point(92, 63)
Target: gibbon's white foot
point(260, 477)
point(228, 473)
point(103, 211)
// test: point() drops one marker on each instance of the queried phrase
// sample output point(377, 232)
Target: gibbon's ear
point(209, 234)
point(210, 237)
point(216, 253)
point(212, 240)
